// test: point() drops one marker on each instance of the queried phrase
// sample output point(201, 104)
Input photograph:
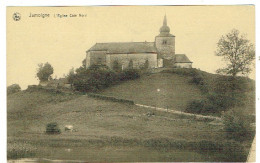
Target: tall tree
point(44, 71)
point(239, 53)
point(71, 76)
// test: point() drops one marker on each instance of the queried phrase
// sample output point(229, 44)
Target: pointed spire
point(165, 20)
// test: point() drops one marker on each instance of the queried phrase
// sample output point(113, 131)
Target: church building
point(160, 53)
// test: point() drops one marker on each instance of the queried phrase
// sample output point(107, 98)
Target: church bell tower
point(165, 44)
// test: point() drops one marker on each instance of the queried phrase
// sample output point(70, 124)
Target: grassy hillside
point(110, 131)
point(107, 131)
point(159, 89)
point(176, 88)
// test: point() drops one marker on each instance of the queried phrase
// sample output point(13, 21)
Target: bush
point(13, 89)
point(226, 92)
point(237, 125)
point(17, 149)
point(94, 78)
point(130, 74)
point(228, 151)
point(202, 107)
point(98, 77)
point(52, 128)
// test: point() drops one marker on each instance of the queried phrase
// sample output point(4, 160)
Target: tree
point(131, 64)
point(84, 63)
point(44, 72)
point(13, 89)
point(237, 51)
point(146, 64)
point(71, 76)
point(237, 125)
point(116, 66)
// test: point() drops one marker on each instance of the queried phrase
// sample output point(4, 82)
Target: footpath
point(196, 116)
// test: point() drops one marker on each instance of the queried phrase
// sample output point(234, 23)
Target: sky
point(63, 42)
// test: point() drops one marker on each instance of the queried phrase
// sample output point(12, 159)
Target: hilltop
point(176, 88)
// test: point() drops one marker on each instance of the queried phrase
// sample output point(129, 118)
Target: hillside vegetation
point(160, 89)
point(178, 89)
point(109, 131)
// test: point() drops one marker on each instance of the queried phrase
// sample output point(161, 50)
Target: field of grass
point(108, 131)
point(165, 90)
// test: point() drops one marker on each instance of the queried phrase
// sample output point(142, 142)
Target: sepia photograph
point(131, 83)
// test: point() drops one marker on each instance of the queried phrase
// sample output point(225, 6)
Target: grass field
point(109, 131)
point(160, 89)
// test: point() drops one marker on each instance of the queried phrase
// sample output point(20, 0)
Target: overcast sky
point(63, 42)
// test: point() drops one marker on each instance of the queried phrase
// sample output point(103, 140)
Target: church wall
point(88, 59)
point(138, 59)
point(96, 57)
point(183, 65)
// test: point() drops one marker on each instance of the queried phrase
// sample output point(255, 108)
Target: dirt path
point(197, 116)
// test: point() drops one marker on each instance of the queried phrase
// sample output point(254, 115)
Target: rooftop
point(125, 47)
point(181, 58)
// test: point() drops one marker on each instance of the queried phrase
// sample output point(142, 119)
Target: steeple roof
point(165, 30)
point(165, 20)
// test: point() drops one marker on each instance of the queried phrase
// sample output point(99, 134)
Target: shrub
point(94, 78)
point(130, 74)
point(228, 151)
point(22, 149)
point(117, 66)
point(237, 125)
point(98, 77)
point(13, 89)
point(202, 107)
point(131, 64)
point(52, 128)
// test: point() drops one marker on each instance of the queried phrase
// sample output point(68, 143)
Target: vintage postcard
point(131, 84)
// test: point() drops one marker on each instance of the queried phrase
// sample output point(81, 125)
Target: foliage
point(197, 77)
point(23, 149)
point(84, 63)
point(200, 107)
point(117, 66)
point(228, 151)
point(13, 89)
point(237, 125)
point(145, 65)
point(129, 74)
point(94, 78)
point(71, 76)
point(237, 51)
point(131, 64)
point(98, 77)
point(52, 128)
point(44, 71)
point(226, 92)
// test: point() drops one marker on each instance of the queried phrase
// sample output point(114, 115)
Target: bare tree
point(237, 51)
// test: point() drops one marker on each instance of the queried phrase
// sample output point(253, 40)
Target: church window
point(164, 42)
point(99, 60)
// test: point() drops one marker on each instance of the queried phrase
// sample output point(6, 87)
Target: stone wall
point(166, 50)
point(138, 59)
point(95, 57)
